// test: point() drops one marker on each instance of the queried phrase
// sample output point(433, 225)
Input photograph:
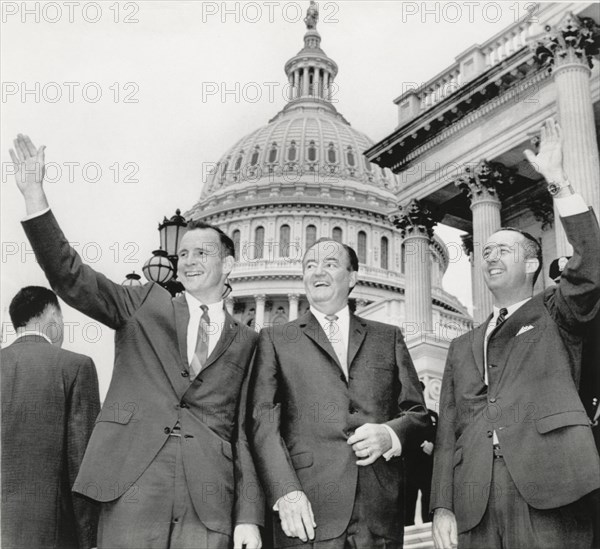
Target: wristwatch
point(555, 188)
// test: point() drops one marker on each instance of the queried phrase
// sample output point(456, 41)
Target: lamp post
point(162, 266)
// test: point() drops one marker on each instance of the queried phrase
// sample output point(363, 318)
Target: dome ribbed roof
point(303, 139)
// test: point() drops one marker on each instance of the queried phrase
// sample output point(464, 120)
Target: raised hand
point(549, 160)
point(29, 169)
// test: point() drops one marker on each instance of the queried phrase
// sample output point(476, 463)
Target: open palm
point(29, 164)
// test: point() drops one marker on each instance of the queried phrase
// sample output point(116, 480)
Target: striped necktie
point(201, 352)
point(337, 341)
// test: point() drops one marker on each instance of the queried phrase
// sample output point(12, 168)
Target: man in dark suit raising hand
point(515, 454)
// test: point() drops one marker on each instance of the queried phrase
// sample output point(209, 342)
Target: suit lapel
point(477, 346)
point(358, 331)
point(230, 330)
point(311, 327)
point(182, 319)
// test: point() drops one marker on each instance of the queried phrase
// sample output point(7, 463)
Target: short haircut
point(29, 303)
point(351, 254)
point(531, 246)
point(227, 246)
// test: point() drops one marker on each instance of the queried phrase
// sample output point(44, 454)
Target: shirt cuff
point(36, 214)
point(396, 448)
point(571, 205)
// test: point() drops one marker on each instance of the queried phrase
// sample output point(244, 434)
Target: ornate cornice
point(573, 40)
point(414, 219)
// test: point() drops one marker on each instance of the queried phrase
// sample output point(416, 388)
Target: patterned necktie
point(501, 317)
point(201, 352)
point(337, 342)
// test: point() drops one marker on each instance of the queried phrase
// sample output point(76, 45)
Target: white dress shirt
point(216, 314)
point(33, 333)
point(343, 331)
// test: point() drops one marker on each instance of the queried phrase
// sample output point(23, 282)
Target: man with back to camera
point(335, 400)
point(166, 459)
point(515, 456)
point(50, 401)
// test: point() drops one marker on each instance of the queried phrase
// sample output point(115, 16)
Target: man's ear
point(531, 265)
point(353, 279)
point(228, 262)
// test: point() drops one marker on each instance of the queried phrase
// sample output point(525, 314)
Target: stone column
point(291, 89)
point(567, 50)
point(293, 306)
point(326, 85)
point(305, 81)
point(316, 83)
point(416, 223)
point(229, 305)
point(296, 91)
point(259, 315)
point(482, 186)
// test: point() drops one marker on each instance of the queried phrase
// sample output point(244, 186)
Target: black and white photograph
point(285, 274)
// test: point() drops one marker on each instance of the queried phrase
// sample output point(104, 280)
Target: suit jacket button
point(352, 410)
point(492, 400)
point(184, 405)
point(185, 373)
point(490, 434)
point(167, 430)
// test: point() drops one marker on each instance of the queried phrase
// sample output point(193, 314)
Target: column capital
point(486, 181)
point(260, 297)
point(293, 297)
point(573, 40)
point(414, 219)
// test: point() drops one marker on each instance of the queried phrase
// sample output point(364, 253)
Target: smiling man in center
point(335, 401)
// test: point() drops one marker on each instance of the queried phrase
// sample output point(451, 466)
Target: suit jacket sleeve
point(576, 301)
point(442, 483)
point(412, 420)
point(249, 502)
point(77, 284)
point(83, 409)
point(271, 455)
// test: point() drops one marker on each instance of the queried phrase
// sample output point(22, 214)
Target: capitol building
point(304, 176)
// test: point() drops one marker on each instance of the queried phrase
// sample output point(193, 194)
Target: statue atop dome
point(312, 15)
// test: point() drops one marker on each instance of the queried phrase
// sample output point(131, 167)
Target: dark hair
point(227, 246)
point(531, 246)
point(352, 257)
point(30, 302)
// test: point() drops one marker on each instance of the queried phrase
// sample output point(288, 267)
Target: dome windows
point(337, 234)
point(350, 158)
point(331, 153)
point(284, 241)
point(361, 251)
point(238, 162)
point(273, 153)
point(384, 253)
point(292, 152)
point(311, 236)
point(259, 242)
point(311, 153)
point(255, 155)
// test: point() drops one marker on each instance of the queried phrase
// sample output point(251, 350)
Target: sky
point(136, 100)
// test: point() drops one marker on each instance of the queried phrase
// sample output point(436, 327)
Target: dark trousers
point(157, 512)
point(510, 523)
point(357, 535)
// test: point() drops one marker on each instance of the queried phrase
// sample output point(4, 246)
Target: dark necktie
point(501, 316)
point(201, 352)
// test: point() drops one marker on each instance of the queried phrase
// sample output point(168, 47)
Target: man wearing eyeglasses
point(515, 456)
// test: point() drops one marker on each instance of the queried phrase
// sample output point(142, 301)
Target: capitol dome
point(300, 177)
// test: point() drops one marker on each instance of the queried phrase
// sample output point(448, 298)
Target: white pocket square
point(525, 329)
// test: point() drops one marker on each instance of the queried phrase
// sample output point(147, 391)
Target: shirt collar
point(511, 308)
point(33, 333)
point(343, 315)
point(214, 309)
